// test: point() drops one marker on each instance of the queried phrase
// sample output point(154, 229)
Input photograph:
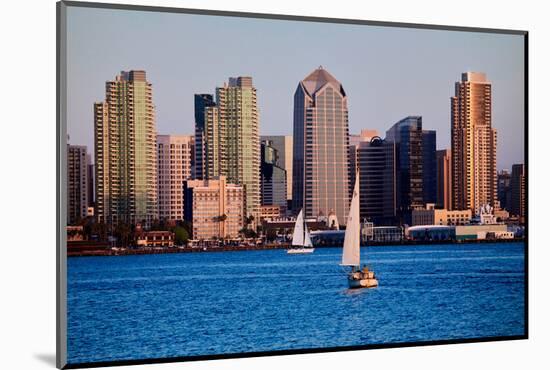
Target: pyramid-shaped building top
point(319, 78)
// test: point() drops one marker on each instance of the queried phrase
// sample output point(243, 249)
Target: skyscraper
point(230, 137)
point(320, 182)
point(407, 134)
point(474, 142)
point(125, 151)
point(77, 183)
point(202, 104)
point(504, 193)
point(376, 162)
point(517, 187)
point(429, 166)
point(444, 179)
point(173, 169)
point(283, 145)
point(273, 178)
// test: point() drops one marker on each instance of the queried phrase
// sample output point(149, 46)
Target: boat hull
point(362, 283)
point(300, 250)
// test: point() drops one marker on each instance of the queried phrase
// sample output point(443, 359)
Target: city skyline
point(399, 72)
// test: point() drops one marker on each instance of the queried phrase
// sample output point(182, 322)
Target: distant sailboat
point(357, 277)
point(301, 240)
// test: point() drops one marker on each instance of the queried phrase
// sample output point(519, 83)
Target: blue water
point(152, 306)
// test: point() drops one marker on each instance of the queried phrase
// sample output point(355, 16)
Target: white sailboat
point(357, 277)
point(301, 240)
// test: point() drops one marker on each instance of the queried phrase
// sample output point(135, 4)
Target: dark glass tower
point(273, 177)
point(202, 101)
point(429, 166)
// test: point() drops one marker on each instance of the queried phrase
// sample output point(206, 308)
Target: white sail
point(350, 254)
point(298, 236)
point(307, 241)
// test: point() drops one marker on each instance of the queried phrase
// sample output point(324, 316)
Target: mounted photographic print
point(236, 185)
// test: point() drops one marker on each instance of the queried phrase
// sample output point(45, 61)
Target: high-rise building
point(174, 167)
point(77, 183)
point(125, 151)
point(354, 141)
point(230, 138)
point(202, 104)
point(376, 163)
point(517, 187)
point(429, 167)
point(474, 142)
point(214, 208)
point(273, 178)
point(320, 182)
point(407, 135)
point(504, 193)
point(91, 186)
point(283, 144)
point(444, 179)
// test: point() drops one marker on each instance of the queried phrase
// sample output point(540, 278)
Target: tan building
point(77, 183)
point(433, 216)
point(175, 157)
point(215, 208)
point(270, 212)
point(444, 178)
point(474, 142)
point(156, 239)
point(125, 151)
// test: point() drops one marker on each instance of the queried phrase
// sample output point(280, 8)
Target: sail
point(307, 241)
point(350, 254)
point(298, 236)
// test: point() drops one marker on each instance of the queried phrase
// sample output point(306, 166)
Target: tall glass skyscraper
point(320, 182)
point(125, 151)
point(473, 144)
point(202, 103)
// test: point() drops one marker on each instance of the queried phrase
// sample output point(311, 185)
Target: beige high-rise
point(175, 153)
point(473, 141)
point(444, 178)
point(125, 151)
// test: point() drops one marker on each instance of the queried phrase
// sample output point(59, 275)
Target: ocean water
point(169, 305)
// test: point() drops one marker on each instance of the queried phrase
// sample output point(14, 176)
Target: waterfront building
point(203, 102)
point(230, 143)
point(214, 207)
point(376, 162)
point(273, 178)
point(444, 179)
point(489, 231)
point(77, 183)
point(125, 151)
point(432, 216)
point(504, 193)
point(156, 239)
point(415, 165)
point(174, 167)
point(91, 186)
point(474, 143)
point(517, 189)
point(320, 181)
point(283, 145)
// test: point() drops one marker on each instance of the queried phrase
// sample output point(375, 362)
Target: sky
point(388, 73)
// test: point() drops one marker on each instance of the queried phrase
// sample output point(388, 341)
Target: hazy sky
point(388, 73)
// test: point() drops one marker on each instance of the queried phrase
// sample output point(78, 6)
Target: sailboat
point(301, 240)
point(357, 277)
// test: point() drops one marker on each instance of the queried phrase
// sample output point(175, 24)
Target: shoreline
point(105, 251)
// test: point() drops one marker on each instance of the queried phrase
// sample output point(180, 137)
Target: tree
point(181, 235)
